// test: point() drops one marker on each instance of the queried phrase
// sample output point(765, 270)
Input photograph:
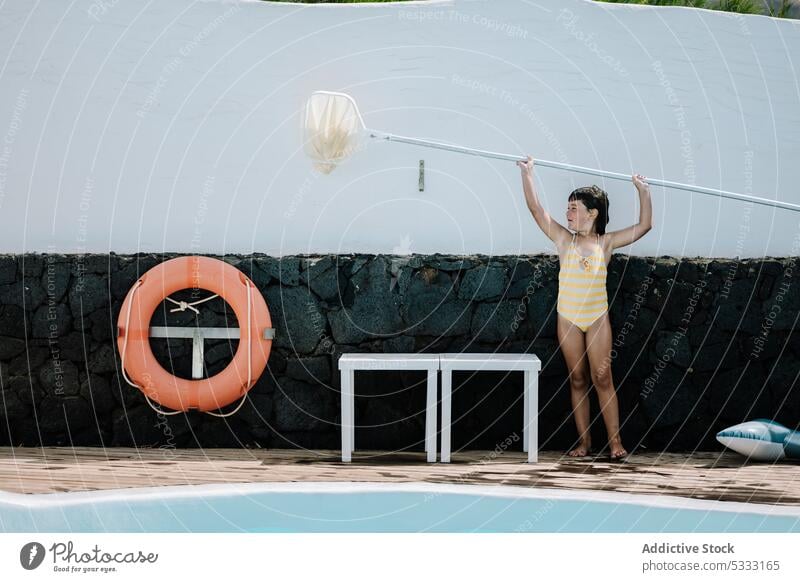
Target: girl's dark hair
point(593, 197)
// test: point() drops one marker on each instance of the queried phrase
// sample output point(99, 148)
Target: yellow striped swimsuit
point(582, 296)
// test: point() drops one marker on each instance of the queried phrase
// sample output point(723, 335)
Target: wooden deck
point(724, 477)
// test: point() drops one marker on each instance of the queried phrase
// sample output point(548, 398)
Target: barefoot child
point(583, 326)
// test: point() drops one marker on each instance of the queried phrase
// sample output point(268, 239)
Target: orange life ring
point(251, 312)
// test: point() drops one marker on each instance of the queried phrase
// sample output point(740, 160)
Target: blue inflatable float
point(762, 440)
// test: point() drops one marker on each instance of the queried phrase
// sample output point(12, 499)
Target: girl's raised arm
point(626, 236)
point(554, 231)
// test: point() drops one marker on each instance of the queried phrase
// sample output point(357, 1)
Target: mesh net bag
point(331, 129)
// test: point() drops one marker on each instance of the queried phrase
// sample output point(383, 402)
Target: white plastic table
point(528, 364)
point(349, 363)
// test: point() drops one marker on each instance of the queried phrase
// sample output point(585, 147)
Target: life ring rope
point(182, 306)
point(125, 349)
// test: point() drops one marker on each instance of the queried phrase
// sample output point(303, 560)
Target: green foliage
point(781, 11)
point(740, 6)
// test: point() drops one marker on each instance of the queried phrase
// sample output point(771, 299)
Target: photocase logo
point(31, 555)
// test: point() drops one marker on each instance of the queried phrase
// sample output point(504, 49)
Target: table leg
point(353, 410)
point(525, 418)
point(347, 415)
point(430, 417)
point(447, 389)
point(532, 382)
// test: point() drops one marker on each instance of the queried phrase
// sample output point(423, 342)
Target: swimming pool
point(380, 507)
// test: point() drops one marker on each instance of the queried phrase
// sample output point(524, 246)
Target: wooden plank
point(716, 476)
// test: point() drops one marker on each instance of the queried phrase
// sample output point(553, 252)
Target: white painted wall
point(174, 126)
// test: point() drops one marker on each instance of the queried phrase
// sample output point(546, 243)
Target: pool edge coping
point(45, 500)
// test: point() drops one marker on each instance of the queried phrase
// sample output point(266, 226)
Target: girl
point(584, 329)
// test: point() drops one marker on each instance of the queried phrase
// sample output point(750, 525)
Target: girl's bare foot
point(618, 452)
point(582, 450)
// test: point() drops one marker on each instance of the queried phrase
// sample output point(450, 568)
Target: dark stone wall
point(697, 345)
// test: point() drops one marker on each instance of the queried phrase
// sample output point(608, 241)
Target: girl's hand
point(641, 183)
point(526, 166)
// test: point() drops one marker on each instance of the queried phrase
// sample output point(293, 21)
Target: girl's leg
point(573, 346)
point(598, 348)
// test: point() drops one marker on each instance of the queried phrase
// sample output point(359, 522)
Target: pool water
point(369, 507)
